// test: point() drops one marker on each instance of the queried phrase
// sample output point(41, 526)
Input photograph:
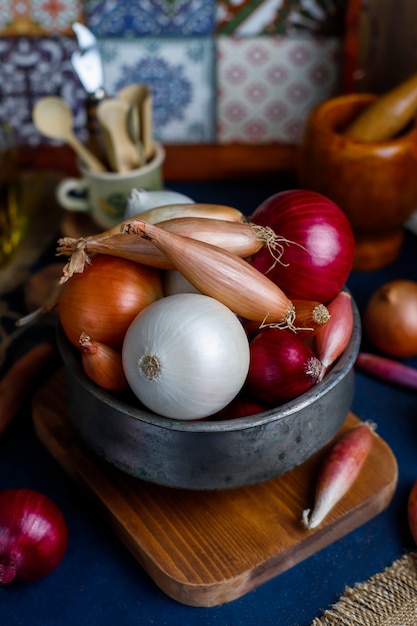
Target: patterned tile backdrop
point(245, 71)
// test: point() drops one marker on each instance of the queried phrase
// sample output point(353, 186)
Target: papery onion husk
point(239, 238)
point(102, 364)
point(224, 276)
point(282, 366)
point(315, 266)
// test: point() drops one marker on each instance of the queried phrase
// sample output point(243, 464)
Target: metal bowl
point(210, 455)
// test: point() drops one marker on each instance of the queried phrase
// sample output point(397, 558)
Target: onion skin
point(102, 364)
point(239, 238)
point(412, 511)
point(186, 356)
point(339, 471)
point(224, 276)
point(390, 319)
point(333, 338)
point(310, 316)
point(33, 535)
point(282, 366)
point(105, 298)
point(170, 211)
point(318, 262)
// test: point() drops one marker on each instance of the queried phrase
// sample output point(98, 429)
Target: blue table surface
point(100, 583)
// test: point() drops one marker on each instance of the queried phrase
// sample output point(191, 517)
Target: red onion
point(241, 406)
point(319, 256)
point(33, 535)
point(282, 366)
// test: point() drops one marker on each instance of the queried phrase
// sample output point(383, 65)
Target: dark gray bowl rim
point(342, 367)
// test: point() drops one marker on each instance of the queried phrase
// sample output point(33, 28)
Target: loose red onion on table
point(319, 255)
point(33, 535)
point(282, 366)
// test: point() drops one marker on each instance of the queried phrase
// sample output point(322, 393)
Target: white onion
point(201, 352)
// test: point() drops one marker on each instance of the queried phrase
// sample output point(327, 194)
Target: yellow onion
point(105, 298)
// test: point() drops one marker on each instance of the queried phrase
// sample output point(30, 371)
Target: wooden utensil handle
point(95, 141)
point(388, 115)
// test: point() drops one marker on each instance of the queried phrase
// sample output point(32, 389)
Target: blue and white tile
point(121, 18)
point(180, 76)
point(31, 68)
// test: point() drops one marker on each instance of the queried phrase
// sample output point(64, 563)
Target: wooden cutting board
point(208, 548)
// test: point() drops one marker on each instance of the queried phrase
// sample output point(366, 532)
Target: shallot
point(102, 364)
point(332, 339)
point(339, 471)
point(239, 238)
point(387, 370)
point(310, 316)
point(222, 275)
point(33, 535)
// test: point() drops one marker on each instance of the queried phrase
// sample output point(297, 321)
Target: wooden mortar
point(374, 183)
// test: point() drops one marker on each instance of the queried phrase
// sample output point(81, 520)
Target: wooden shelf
point(186, 162)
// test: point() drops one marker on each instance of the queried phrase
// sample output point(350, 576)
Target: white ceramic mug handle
point(72, 202)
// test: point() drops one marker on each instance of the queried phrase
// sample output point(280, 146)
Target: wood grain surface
point(209, 548)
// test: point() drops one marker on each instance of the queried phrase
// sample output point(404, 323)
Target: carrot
point(21, 379)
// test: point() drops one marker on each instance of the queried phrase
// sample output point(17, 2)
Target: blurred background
point(220, 71)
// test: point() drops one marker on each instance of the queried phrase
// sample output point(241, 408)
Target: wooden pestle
point(387, 116)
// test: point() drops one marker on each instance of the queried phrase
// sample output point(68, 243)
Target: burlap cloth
point(387, 599)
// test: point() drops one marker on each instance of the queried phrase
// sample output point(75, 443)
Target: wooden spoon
point(139, 97)
point(53, 118)
point(388, 115)
point(122, 153)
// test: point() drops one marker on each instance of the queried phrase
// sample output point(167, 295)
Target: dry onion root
point(222, 275)
point(239, 238)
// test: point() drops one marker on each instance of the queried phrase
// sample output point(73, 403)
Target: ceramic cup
point(104, 195)
point(375, 184)
point(13, 212)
